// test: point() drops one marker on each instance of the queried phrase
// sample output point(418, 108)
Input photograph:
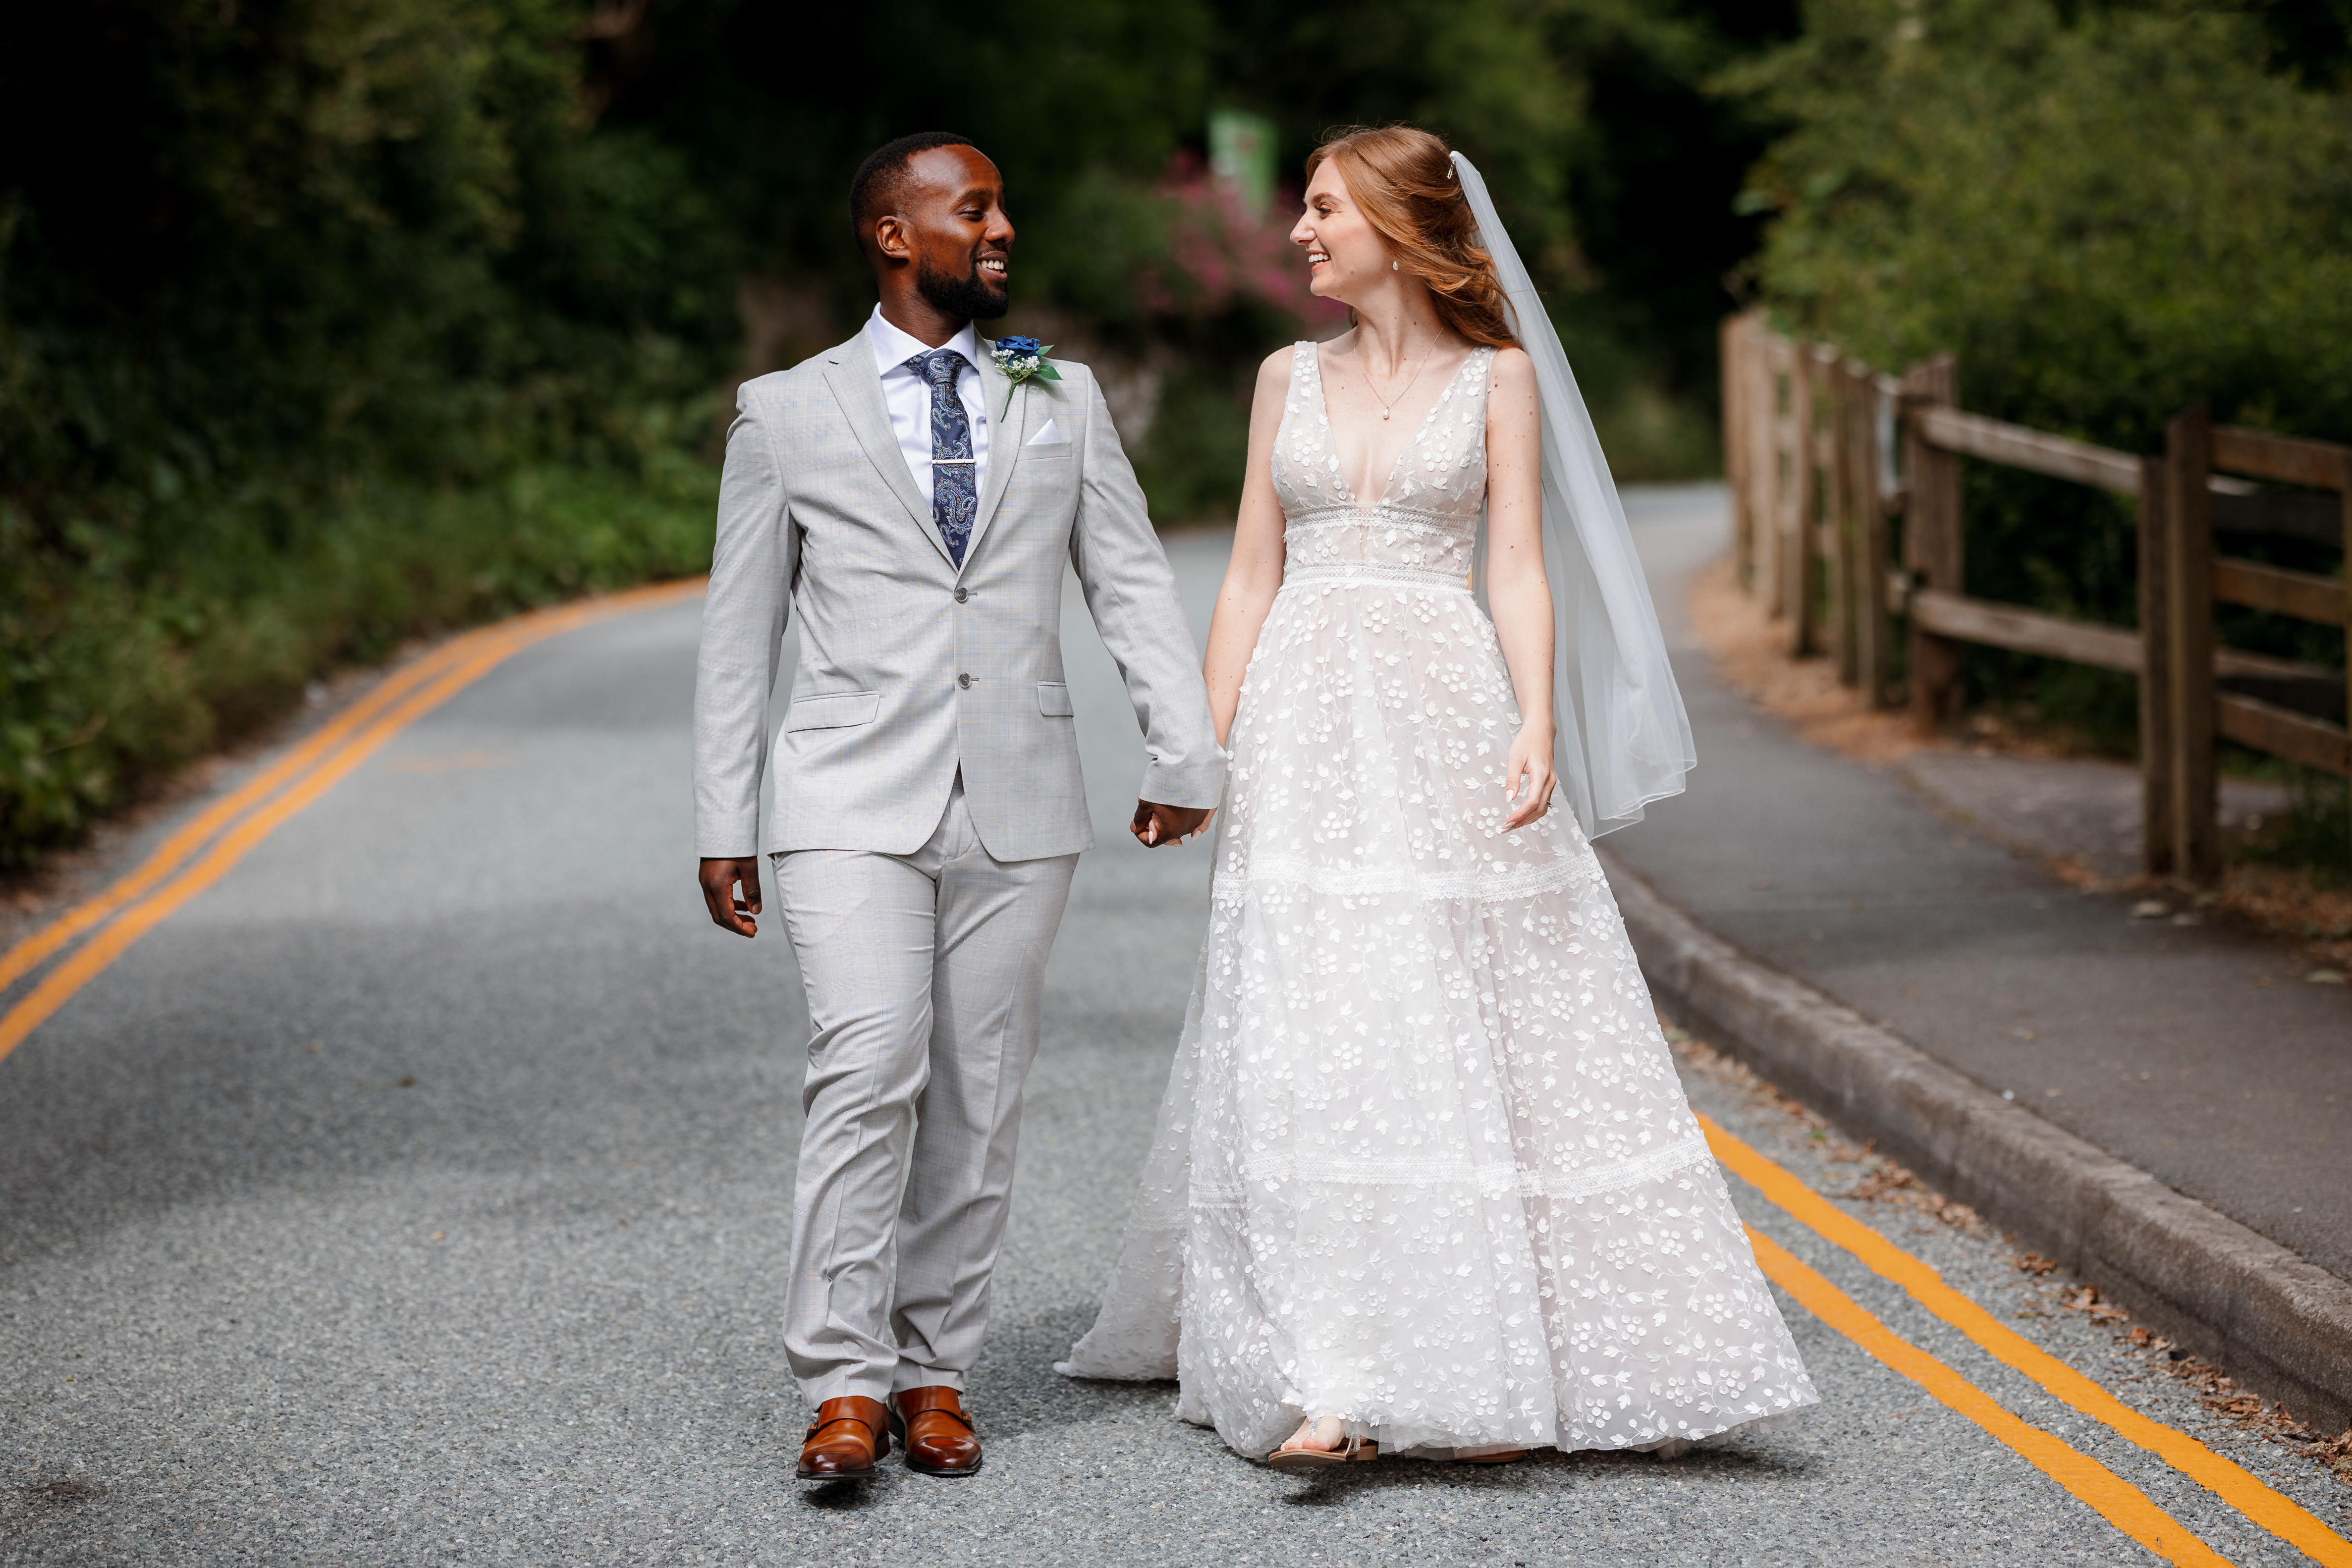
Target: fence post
point(1734, 453)
point(1871, 630)
point(1798, 597)
point(1760, 398)
point(1758, 402)
point(1781, 476)
point(2345, 497)
point(1838, 509)
point(2157, 759)
point(2189, 590)
point(1932, 542)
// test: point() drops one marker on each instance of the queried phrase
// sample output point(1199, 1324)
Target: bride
point(1424, 1181)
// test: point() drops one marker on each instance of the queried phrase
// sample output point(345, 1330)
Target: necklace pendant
point(1384, 413)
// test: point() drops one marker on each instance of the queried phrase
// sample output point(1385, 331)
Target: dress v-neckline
point(1331, 433)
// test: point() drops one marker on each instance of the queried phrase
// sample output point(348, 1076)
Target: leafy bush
point(328, 325)
point(321, 325)
point(2107, 214)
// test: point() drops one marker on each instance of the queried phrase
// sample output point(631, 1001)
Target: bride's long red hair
point(1403, 180)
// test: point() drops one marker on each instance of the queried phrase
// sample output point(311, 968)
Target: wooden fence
point(1838, 472)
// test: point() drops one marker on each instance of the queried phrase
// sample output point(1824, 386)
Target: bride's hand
point(1528, 779)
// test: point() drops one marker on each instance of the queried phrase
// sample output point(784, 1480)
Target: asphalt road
point(419, 1194)
point(2197, 1053)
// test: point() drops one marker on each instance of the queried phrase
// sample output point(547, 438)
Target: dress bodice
point(1424, 526)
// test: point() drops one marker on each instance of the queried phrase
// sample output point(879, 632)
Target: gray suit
point(928, 812)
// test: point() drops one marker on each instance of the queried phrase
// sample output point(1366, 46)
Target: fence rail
point(1838, 471)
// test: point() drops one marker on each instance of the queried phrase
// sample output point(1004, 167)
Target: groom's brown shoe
point(938, 1435)
point(845, 1439)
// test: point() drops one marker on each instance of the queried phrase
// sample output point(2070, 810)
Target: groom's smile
point(943, 244)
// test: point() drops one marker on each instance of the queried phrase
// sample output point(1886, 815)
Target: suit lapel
point(1009, 431)
point(857, 387)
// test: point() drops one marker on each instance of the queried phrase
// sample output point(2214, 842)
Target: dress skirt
point(1423, 1163)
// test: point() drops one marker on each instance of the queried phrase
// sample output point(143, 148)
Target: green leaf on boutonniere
point(1020, 359)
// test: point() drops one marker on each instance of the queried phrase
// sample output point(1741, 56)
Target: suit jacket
point(909, 668)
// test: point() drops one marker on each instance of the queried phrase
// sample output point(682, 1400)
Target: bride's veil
point(1624, 739)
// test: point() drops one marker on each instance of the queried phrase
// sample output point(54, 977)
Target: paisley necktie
point(955, 493)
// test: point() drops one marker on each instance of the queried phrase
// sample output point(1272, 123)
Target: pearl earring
point(1393, 266)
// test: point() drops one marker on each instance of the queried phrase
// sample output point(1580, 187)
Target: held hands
point(730, 888)
point(1529, 764)
point(1156, 825)
point(729, 911)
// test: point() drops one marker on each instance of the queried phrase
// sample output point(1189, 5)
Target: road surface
point(418, 1192)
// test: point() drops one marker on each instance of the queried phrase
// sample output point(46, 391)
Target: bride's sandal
point(1349, 1449)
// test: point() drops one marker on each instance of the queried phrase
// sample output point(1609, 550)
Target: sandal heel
point(1311, 1459)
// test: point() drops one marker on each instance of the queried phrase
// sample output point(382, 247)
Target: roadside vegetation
point(326, 327)
point(2107, 213)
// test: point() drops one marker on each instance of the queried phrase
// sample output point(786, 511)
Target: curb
point(2279, 1325)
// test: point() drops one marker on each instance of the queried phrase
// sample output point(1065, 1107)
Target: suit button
point(964, 681)
point(962, 594)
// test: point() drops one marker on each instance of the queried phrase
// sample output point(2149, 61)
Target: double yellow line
point(2115, 1500)
point(202, 852)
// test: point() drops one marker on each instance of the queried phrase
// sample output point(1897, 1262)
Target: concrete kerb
point(2279, 1325)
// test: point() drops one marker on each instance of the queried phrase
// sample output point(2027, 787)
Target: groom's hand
point(1155, 824)
point(726, 910)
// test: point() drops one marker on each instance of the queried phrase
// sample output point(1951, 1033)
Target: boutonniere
point(1019, 359)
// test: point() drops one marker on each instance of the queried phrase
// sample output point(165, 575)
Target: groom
point(917, 508)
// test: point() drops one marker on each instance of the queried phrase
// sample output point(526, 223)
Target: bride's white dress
point(1423, 1163)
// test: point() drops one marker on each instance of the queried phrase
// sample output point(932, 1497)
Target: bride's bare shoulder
point(1274, 368)
point(1273, 374)
point(1513, 370)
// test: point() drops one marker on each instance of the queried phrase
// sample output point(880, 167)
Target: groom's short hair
point(884, 173)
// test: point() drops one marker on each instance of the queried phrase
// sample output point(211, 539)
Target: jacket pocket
point(1053, 700)
point(833, 710)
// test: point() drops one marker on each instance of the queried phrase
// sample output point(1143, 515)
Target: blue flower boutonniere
point(1021, 358)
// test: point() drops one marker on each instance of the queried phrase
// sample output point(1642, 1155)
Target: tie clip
point(936, 462)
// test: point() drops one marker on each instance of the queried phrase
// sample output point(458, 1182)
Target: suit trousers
point(925, 973)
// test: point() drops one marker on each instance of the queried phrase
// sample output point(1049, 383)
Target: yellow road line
point(2117, 1502)
point(475, 656)
point(35, 950)
point(2241, 1489)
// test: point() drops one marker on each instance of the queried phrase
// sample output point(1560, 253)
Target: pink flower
point(1221, 255)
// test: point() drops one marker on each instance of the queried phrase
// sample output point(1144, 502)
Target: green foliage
point(2105, 218)
point(2107, 214)
point(1616, 169)
point(322, 325)
point(107, 680)
point(327, 325)
point(2313, 833)
point(1192, 465)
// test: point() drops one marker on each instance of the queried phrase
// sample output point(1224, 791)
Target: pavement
point(419, 1194)
point(2197, 1053)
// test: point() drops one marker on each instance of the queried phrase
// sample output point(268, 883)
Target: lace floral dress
point(1423, 1163)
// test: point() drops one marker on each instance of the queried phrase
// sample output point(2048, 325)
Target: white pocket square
point(1049, 434)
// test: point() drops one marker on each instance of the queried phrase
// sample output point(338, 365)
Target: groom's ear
point(890, 239)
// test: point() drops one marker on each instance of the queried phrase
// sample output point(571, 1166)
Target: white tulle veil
point(1624, 739)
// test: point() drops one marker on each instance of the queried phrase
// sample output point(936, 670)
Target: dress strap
point(1485, 368)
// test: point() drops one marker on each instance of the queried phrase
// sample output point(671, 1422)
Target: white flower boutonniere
point(1019, 359)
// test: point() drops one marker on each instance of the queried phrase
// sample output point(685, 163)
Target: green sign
point(1241, 153)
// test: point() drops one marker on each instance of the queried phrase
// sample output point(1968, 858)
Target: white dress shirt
point(908, 397)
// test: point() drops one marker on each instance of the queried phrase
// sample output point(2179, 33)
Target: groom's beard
point(973, 295)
